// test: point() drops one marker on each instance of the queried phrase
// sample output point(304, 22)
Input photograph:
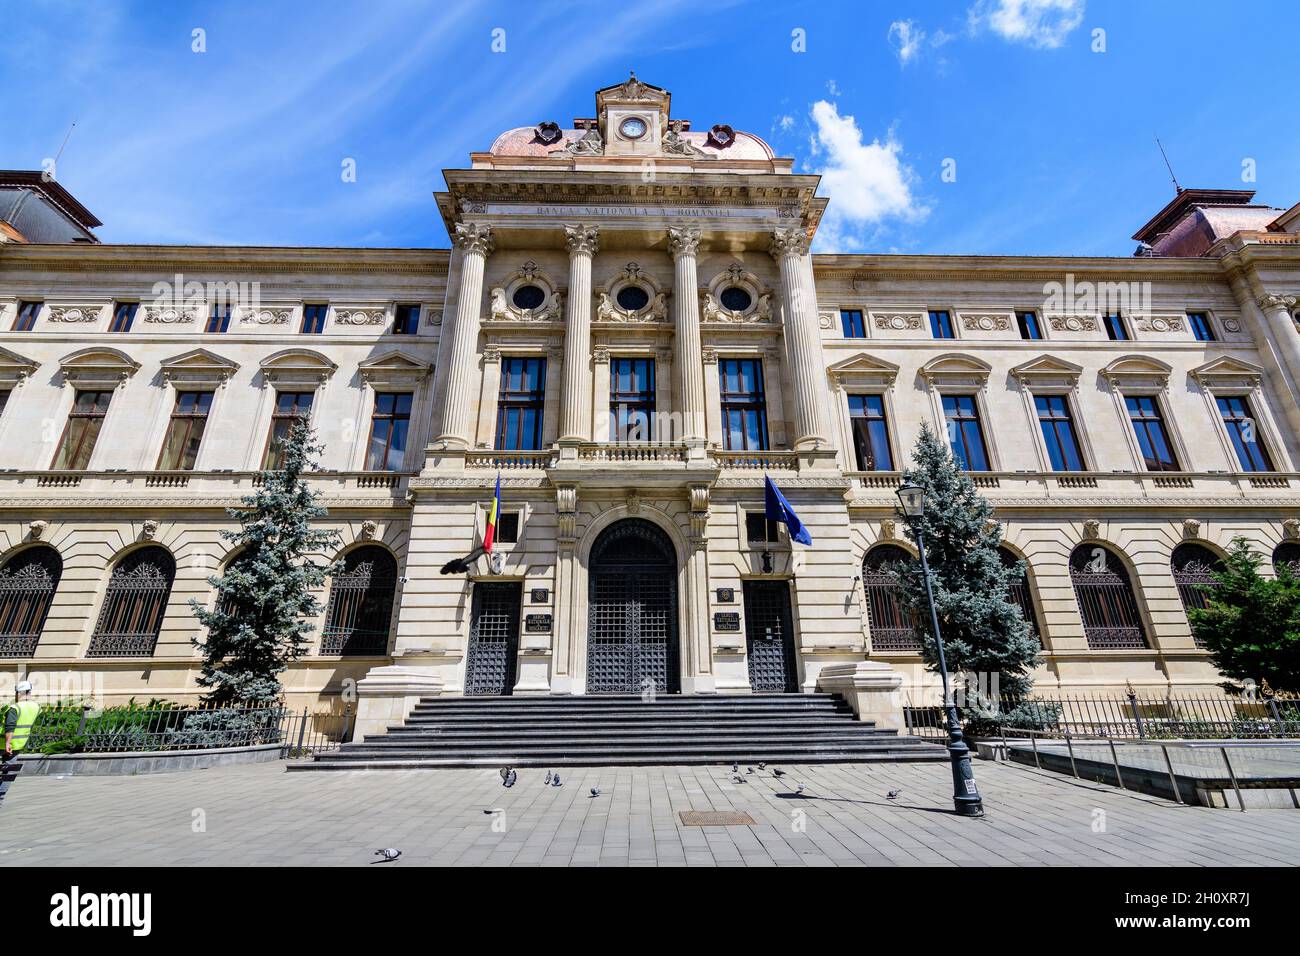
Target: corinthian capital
point(581, 239)
point(683, 240)
point(1274, 301)
point(788, 242)
point(473, 237)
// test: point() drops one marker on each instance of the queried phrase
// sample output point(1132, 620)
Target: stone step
point(635, 710)
point(554, 728)
point(628, 738)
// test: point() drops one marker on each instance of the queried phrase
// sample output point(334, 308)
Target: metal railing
point(1127, 716)
point(160, 726)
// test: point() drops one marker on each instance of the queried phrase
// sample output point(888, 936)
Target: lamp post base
point(965, 795)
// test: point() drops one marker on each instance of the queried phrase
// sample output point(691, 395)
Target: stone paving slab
point(261, 815)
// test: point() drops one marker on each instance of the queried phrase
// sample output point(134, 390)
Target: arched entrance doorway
point(632, 611)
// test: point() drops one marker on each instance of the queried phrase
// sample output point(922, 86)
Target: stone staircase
point(622, 731)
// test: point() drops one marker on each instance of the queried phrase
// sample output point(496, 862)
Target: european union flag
point(778, 509)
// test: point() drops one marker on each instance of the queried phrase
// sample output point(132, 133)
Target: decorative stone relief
point(710, 356)
point(360, 316)
point(149, 529)
point(897, 321)
point(607, 310)
point(788, 241)
point(74, 313)
point(675, 144)
point(826, 320)
point(1191, 528)
point(1231, 325)
point(1275, 301)
point(683, 240)
point(169, 316)
point(36, 530)
point(712, 311)
point(492, 352)
point(275, 316)
point(1092, 528)
point(600, 355)
point(367, 531)
point(1160, 323)
point(633, 503)
point(1291, 529)
point(986, 322)
point(589, 143)
point(1073, 323)
point(581, 239)
point(473, 237)
point(887, 529)
point(548, 133)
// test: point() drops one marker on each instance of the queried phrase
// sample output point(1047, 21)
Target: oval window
point(735, 299)
point(633, 298)
point(529, 297)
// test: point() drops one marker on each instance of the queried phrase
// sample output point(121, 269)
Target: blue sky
point(1050, 139)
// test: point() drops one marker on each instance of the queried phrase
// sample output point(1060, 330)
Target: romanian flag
point(490, 532)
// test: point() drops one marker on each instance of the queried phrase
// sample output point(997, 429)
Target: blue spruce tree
point(260, 620)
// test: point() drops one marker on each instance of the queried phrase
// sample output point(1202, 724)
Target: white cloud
point(786, 123)
point(1039, 23)
point(832, 87)
point(868, 183)
point(905, 37)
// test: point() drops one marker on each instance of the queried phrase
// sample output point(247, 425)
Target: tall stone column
point(455, 390)
point(575, 419)
point(1277, 309)
point(688, 367)
point(1268, 318)
point(803, 337)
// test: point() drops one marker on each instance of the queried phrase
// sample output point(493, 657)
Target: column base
point(387, 695)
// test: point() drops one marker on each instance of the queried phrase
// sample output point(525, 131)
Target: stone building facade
point(631, 331)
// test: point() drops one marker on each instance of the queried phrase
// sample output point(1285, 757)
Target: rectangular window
point(941, 325)
point(218, 318)
point(185, 431)
point(288, 406)
point(759, 530)
point(1029, 327)
point(313, 318)
point(82, 431)
point(4, 399)
point(1201, 328)
point(851, 321)
point(123, 316)
point(1058, 432)
point(744, 404)
point(390, 425)
point(1149, 428)
point(27, 313)
point(870, 433)
point(1116, 330)
point(631, 399)
point(1243, 432)
point(521, 404)
point(508, 527)
point(962, 421)
point(406, 319)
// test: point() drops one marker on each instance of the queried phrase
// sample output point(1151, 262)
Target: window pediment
point(954, 369)
point(863, 370)
point(15, 368)
point(97, 367)
point(1227, 372)
point(1047, 370)
point(393, 368)
point(198, 367)
point(297, 366)
point(1136, 371)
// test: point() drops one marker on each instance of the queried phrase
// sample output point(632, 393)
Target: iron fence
point(80, 728)
point(1124, 716)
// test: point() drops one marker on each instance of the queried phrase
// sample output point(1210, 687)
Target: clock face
point(632, 128)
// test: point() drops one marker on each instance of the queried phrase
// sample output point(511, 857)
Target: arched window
point(361, 603)
point(1106, 600)
point(134, 605)
point(28, 581)
point(1194, 566)
point(889, 624)
point(1288, 553)
point(1021, 594)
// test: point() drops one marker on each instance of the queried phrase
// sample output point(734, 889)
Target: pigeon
point(508, 777)
point(735, 768)
point(547, 781)
point(555, 781)
point(749, 770)
point(777, 771)
point(462, 565)
point(494, 810)
point(800, 790)
point(762, 766)
point(893, 794)
point(595, 791)
point(388, 853)
point(739, 779)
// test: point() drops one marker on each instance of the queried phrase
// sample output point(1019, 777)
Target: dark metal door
point(769, 632)
point(632, 614)
point(493, 639)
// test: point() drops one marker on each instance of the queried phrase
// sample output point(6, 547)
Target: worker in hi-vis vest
point(19, 719)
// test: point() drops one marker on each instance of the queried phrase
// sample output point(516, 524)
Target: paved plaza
point(261, 815)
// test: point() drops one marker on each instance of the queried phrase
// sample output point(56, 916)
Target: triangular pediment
point(15, 368)
point(393, 366)
point(200, 359)
point(1227, 367)
point(1047, 366)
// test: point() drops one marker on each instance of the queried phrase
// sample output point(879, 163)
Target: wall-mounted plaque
point(726, 621)
point(726, 595)
point(537, 623)
point(539, 595)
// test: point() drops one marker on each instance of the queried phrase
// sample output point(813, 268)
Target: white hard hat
point(24, 687)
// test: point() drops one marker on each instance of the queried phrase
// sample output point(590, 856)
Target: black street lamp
point(965, 797)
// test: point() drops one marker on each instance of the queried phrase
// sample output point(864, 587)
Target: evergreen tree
point(260, 621)
point(983, 630)
point(1251, 625)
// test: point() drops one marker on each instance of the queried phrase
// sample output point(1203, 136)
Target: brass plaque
point(716, 818)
